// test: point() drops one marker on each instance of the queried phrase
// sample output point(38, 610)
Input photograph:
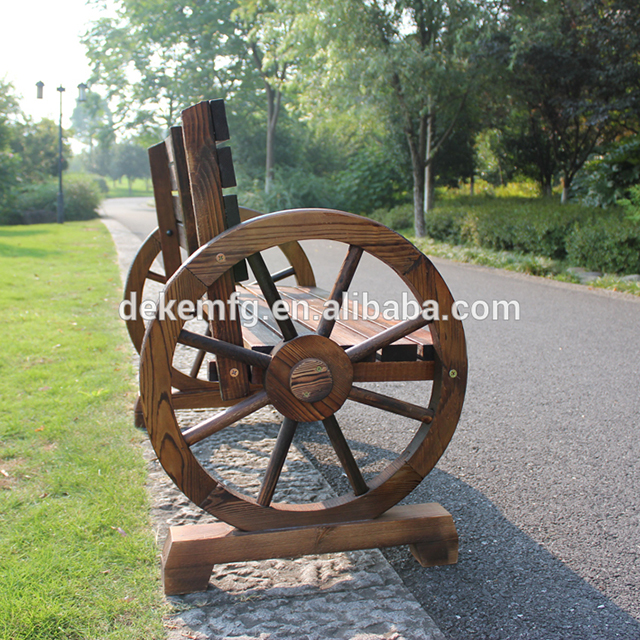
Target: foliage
point(93, 121)
point(131, 161)
point(370, 181)
point(607, 179)
point(372, 99)
point(155, 59)
point(540, 228)
point(138, 188)
point(509, 260)
point(93, 124)
point(609, 244)
point(78, 559)
point(564, 64)
point(519, 262)
point(416, 61)
point(28, 154)
point(512, 224)
point(36, 144)
point(399, 218)
point(82, 196)
point(631, 205)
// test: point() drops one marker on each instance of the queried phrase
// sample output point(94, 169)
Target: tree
point(130, 160)
point(9, 161)
point(37, 146)
point(566, 73)
point(93, 123)
point(178, 55)
point(416, 59)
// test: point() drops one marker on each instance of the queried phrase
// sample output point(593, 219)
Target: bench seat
point(410, 358)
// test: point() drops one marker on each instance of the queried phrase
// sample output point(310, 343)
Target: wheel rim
point(400, 477)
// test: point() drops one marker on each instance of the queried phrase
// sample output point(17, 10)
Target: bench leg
point(436, 553)
point(191, 551)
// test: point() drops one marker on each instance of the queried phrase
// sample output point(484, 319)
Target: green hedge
point(528, 225)
point(610, 245)
point(37, 203)
point(398, 218)
point(595, 238)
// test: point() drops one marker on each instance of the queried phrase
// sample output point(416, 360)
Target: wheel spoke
point(271, 295)
point(345, 456)
point(393, 405)
point(341, 284)
point(228, 417)
point(197, 363)
point(157, 277)
point(276, 461)
point(384, 338)
point(278, 275)
point(225, 349)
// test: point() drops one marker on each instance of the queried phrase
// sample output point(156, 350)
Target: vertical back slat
point(161, 179)
point(179, 161)
point(210, 220)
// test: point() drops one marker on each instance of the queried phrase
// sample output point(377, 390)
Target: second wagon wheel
point(306, 378)
point(144, 281)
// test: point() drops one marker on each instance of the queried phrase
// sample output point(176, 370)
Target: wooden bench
point(305, 367)
point(177, 236)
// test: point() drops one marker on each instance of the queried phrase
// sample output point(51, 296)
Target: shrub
point(522, 189)
point(445, 224)
point(631, 204)
point(82, 198)
point(400, 217)
point(607, 179)
point(505, 224)
point(602, 240)
point(520, 225)
point(38, 202)
point(609, 244)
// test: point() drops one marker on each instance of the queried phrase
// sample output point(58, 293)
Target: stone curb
point(354, 595)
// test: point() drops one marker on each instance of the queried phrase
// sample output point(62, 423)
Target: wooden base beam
point(191, 551)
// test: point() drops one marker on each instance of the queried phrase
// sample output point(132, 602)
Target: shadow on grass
point(13, 251)
point(505, 585)
point(22, 230)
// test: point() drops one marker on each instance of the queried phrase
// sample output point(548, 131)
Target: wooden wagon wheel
point(292, 365)
point(141, 274)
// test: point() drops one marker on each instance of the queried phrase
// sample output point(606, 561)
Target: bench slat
point(206, 192)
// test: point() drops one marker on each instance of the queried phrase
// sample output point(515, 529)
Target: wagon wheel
point(141, 274)
point(311, 364)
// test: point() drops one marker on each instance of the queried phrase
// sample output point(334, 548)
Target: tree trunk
point(546, 184)
point(428, 169)
point(472, 184)
point(274, 97)
point(429, 188)
point(566, 188)
point(418, 201)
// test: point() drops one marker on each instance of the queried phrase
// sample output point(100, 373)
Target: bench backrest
point(189, 171)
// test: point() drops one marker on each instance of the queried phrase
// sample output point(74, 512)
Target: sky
point(40, 41)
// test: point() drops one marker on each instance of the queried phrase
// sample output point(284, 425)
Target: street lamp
point(82, 97)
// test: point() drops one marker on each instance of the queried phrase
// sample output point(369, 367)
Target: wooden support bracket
point(191, 551)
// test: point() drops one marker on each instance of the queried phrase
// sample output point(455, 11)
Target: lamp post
point(82, 96)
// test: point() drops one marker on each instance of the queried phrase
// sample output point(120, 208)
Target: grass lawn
point(77, 556)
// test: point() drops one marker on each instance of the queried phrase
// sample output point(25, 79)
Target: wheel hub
point(309, 378)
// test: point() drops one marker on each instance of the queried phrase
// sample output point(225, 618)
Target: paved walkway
point(354, 595)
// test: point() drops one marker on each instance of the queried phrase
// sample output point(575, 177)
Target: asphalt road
point(543, 474)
